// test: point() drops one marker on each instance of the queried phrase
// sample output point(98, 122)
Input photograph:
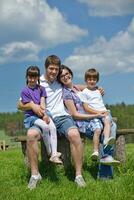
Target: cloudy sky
point(83, 33)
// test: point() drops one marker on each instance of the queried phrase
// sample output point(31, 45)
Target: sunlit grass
point(56, 185)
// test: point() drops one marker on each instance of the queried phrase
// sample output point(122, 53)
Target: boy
point(93, 104)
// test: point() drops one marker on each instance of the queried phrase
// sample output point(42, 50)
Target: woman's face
point(65, 77)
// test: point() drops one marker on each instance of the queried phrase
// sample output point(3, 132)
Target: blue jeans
point(64, 124)
point(104, 170)
point(29, 121)
point(110, 150)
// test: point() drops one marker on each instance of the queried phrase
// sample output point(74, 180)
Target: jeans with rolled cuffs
point(110, 150)
point(105, 171)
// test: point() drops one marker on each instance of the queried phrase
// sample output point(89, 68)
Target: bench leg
point(64, 148)
point(120, 149)
point(44, 155)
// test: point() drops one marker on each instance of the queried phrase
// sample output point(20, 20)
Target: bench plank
point(125, 131)
point(64, 147)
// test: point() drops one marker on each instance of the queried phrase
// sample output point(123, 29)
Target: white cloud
point(18, 51)
point(109, 8)
point(108, 56)
point(23, 21)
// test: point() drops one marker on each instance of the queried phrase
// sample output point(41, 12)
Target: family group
point(52, 104)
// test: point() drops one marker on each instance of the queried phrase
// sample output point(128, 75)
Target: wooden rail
point(125, 131)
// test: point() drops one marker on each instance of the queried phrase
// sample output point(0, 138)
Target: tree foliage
point(12, 123)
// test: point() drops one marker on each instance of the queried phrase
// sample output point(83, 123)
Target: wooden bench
point(64, 147)
point(3, 145)
point(120, 143)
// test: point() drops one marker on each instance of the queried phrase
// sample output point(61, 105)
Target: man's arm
point(101, 90)
point(31, 106)
point(24, 107)
point(82, 87)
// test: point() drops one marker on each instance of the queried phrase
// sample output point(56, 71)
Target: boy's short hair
point(52, 60)
point(92, 73)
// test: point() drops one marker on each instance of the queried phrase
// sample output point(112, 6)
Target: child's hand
point(104, 113)
point(46, 119)
point(42, 107)
point(100, 115)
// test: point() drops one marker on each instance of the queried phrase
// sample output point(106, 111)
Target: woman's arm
point(75, 114)
point(90, 110)
point(81, 87)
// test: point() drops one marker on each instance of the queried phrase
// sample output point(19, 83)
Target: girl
point(35, 93)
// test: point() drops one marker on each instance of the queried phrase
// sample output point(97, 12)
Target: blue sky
point(83, 33)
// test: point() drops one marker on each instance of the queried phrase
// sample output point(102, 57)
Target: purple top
point(32, 94)
point(69, 94)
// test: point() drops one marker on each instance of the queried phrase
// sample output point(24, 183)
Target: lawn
point(56, 185)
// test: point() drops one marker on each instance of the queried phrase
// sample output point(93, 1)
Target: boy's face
point(52, 72)
point(91, 82)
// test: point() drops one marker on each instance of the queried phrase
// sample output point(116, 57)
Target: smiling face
point(32, 81)
point(52, 72)
point(91, 82)
point(66, 78)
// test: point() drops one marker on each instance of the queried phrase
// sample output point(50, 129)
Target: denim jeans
point(104, 170)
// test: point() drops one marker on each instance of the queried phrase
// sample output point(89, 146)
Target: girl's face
point(32, 80)
point(91, 82)
point(65, 77)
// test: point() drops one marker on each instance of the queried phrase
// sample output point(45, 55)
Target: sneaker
point(80, 181)
point(110, 141)
point(109, 160)
point(58, 154)
point(34, 181)
point(95, 156)
point(56, 159)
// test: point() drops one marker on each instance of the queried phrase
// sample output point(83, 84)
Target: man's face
point(52, 72)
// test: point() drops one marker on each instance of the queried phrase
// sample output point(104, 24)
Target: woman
point(91, 128)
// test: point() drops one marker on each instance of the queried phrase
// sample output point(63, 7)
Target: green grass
point(56, 185)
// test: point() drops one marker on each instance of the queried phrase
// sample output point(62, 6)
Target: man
point(63, 121)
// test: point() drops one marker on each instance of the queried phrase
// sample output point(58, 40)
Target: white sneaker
point(108, 142)
point(58, 154)
point(95, 156)
point(80, 181)
point(34, 181)
point(56, 159)
point(109, 160)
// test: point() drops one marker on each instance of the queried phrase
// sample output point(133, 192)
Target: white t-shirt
point(54, 100)
point(93, 98)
